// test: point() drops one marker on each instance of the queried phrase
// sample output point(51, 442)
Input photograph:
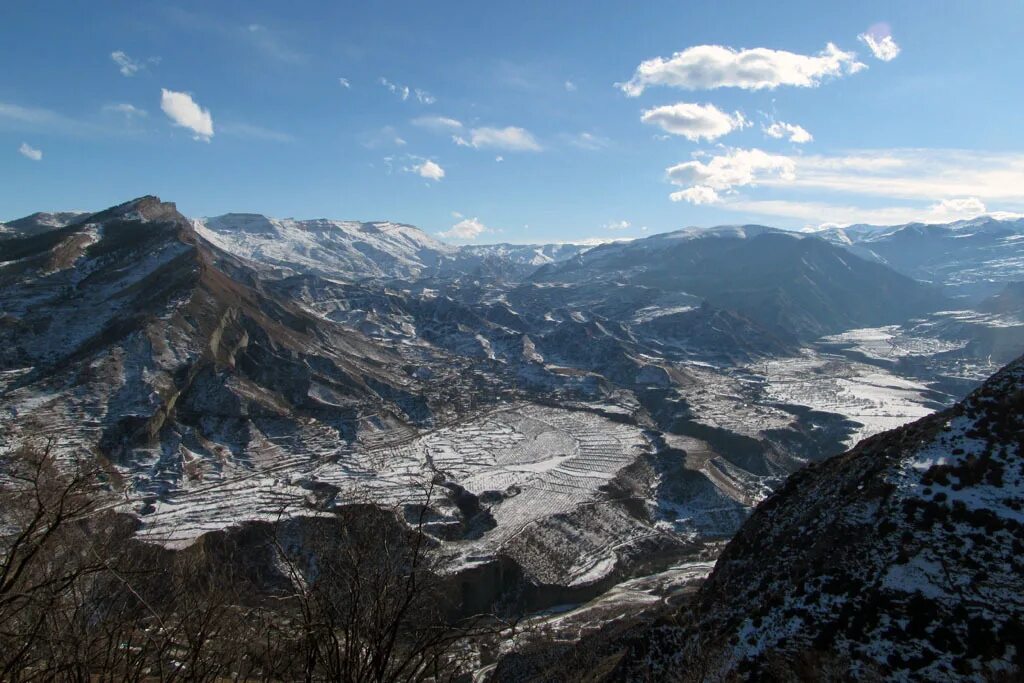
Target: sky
point(519, 121)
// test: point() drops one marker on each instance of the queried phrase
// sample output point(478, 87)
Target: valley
point(579, 430)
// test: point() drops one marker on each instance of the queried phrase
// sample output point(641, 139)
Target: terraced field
point(537, 471)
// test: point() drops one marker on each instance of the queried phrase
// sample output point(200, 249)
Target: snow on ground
point(874, 398)
point(892, 342)
point(529, 463)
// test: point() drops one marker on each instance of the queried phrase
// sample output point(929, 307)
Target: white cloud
point(910, 174)
point(618, 225)
point(401, 90)
point(510, 138)
point(879, 40)
point(570, 86)
point(430, 170)
point(184, 112)
point(30, 152)
point(694, 121)
point(130, 111)
point(499, 159)
point(914, 174)
point(956, 209)
point(424, 97)
point(588, 141)
point(438, 124)
point(466, 229)
point(698, 194)
point(781, 129)
point(126, 65)
point(734, 168)
point(344, 83)
point(823, 214)
point(716, 66)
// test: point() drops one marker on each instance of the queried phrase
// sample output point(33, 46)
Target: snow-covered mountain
point(970, 258)
point(347, 249)
point(352, 250)
point(37, 223)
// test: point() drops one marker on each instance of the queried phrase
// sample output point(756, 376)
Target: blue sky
point(549, 121)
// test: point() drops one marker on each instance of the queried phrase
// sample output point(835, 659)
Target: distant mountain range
point(971, 259)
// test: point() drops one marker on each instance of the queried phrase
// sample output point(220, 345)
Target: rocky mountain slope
point(900, 560)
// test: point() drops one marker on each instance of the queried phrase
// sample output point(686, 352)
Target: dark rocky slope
point(902, 558)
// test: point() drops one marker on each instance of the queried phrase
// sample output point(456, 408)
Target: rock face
point(900, 559)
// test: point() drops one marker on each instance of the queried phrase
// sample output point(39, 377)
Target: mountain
point(1008, 301)
point(347, 249)
point(902, 559)
point(214, 390)
point(127, 335)
point(794, 285)
point(38, 223)
point(352, 250)
point(971, 258)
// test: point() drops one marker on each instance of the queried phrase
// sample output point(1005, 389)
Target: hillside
point(901, 559)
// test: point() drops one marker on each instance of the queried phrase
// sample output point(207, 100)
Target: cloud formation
point(466, 229)
point(438, 124)
point(588, 141)
point(879, 40)
point(344, 83)
point(694, 121)
point(509, 138)
point(186, 113)
point(716, 66)
point(821, 214)
point(703, 181)
point(618, 225)
point(126, 65)
point(30, 152)
point(429, 170)
point(781, 129)
point(403, 91)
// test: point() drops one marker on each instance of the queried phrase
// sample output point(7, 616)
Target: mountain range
point(569, 418)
